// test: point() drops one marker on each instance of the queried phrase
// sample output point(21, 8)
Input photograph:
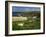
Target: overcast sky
point(22, 9)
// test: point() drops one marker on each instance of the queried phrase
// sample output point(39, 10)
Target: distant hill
point(26, 13)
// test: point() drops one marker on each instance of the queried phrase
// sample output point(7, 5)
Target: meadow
point(32, 22)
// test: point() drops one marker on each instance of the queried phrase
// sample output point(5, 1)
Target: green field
point(29, 24)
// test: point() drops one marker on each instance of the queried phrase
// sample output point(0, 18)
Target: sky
point(24, 9)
